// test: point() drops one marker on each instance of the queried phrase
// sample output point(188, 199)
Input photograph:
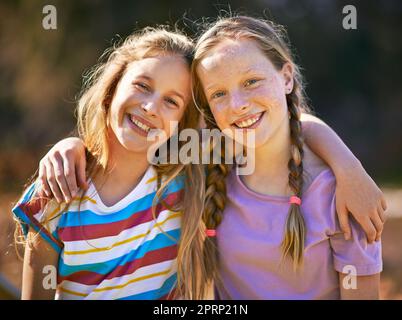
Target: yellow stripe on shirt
point(148, 276)
point(72, 292)
point(151, 179)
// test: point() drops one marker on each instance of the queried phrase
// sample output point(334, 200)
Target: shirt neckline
point(126, 200)
point(267, 197)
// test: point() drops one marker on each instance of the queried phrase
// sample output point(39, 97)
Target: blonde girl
point(274, 234)
point(119, 239)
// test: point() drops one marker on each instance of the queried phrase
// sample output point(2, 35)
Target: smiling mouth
point(249, 122)
point(139, 124)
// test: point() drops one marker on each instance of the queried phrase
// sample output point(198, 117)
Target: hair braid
point(215, 201)
point(295, 233)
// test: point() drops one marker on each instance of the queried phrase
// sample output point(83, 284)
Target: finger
point(343, 217)
point(81, 174)
point(51, 179)
point(43, 181)
point(46, 198)
point(40, 192)
point(381, 214)
point(379, 226)
point(378, 238)
point(69, 171)
point(58, 168)
point(384, 203)
point(370, 230)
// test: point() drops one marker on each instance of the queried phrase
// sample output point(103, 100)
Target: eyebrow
point(245, 71)
point(178, 94)
point(211, 86)
point(145, 77)
point(174, 92)
point(251, 69)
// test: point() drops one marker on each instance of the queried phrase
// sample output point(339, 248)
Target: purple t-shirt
point(251, 233)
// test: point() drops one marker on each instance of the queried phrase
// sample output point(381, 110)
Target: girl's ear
point(287, 73)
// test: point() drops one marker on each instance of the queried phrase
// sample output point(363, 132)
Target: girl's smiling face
point(244, 90)
point(151, 93)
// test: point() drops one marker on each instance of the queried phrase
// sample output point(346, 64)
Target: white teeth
point(248, 123)
point(143, 126)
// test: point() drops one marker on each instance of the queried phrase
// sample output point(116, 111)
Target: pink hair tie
point(295, 200)
point(210, 232)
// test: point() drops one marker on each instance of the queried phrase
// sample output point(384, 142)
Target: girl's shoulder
point(39, 214)
point(35, 205)
point(315, 169)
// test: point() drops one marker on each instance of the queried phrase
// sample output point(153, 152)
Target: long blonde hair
point(92, 112)
point(272, 40)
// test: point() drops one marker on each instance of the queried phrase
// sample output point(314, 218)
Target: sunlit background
point(353, 82)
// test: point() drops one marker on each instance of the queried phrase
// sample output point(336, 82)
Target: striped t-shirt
point(111, 252)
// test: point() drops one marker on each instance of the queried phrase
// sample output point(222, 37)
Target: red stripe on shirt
point(31, 208)
point(151, 257)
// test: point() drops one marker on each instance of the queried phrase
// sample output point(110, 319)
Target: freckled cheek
point(276, 93)
point(269, 98)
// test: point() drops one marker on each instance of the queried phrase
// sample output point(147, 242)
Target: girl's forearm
point(360, 288)
point(38, 257)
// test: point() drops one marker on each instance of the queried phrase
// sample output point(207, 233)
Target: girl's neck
point(271, 165)
point(125, 163)
point(122, 174)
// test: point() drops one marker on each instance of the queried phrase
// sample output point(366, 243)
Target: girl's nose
point(239, 103)
point(149, 108)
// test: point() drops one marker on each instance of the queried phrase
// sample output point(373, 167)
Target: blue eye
point(217, 95)
point(250, 82)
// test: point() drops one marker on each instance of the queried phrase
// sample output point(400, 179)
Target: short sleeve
point(357, 253)
point(30, 214)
